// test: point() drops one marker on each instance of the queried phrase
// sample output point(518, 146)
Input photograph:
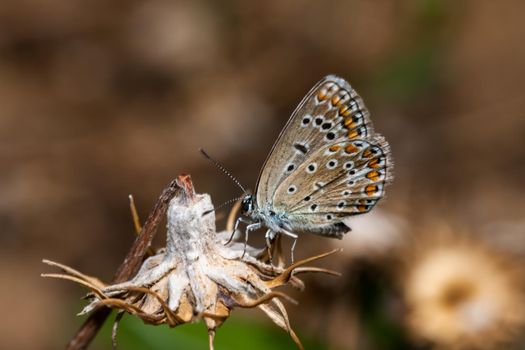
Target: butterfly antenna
point(221, 168)
point(220, 206)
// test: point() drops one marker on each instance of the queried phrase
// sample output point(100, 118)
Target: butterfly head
point(248, 204)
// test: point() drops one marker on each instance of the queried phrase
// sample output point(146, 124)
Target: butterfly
point(326, 165)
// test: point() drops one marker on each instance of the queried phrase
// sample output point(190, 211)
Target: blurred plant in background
point(461, 293)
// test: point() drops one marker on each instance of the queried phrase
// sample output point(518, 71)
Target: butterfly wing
point(338, 180)
point(332, 111)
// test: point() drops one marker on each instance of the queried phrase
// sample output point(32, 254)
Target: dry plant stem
point(114, 329)
point(316, 269)
point(264, 299)
point(95, 290)
point(134, 258)
point(71, 271)
point(211, 336)
point(287, 273)
point(134, 214)
point(127, 269)
point(136, 222)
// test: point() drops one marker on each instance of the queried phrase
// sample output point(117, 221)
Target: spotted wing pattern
point(331, 112)
point(339, 180)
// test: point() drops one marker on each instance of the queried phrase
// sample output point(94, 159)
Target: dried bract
point(196, 276)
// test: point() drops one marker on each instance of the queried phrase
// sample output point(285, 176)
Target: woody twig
point(127, 269)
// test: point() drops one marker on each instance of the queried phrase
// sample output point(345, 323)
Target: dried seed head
point(196, 276)
point(190, 233)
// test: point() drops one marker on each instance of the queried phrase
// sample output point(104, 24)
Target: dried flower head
point(462, 294)
point(196, 276)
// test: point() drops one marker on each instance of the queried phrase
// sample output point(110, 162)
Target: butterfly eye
point(247, 204)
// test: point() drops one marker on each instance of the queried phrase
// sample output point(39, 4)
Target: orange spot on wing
point(322, 95)
point(373, 175)
point(334, 148)
point(335, 100)
point(374, 163)
point(351, 149)
point(367, 153)
point(343, 109)
point(349, 123)
point(361, 208)
point(352, 134)
point(371, 189)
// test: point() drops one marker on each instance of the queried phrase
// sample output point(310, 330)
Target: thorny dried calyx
point(197, 276)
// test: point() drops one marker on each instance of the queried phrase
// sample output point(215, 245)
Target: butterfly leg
point(250, 227)
point(293, 248)
point(269, 236)
point(294, 236)
point(237, 222)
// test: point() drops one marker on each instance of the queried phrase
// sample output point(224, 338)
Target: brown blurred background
point(102, 99)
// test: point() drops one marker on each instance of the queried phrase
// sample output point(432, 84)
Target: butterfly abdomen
point(335, 230)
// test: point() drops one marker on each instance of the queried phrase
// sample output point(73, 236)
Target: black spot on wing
point(301, 148)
